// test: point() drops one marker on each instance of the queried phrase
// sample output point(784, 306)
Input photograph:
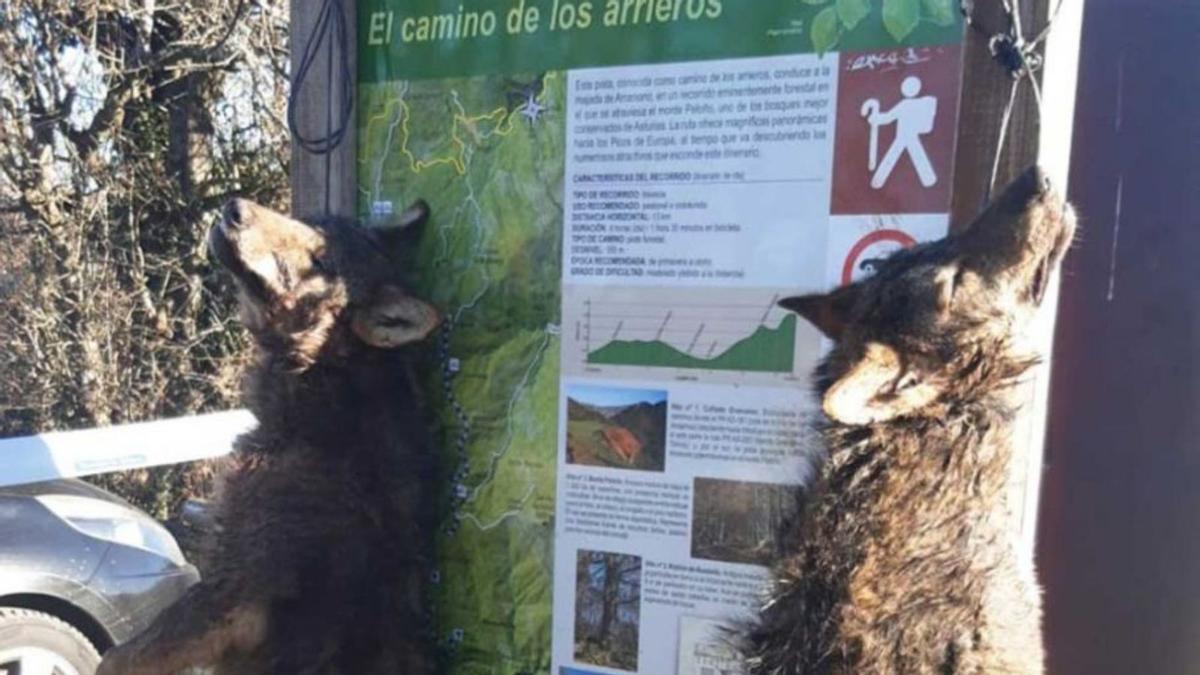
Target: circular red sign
point(903, 238)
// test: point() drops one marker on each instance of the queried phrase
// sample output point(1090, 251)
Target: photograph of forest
point(737, 521)
point(608, 596)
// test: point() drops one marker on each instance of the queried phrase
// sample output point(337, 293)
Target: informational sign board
point(622, 191)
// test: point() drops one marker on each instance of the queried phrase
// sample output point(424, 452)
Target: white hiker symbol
point(913, 118)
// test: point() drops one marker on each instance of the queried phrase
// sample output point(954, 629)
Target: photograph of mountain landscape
point(616, 427)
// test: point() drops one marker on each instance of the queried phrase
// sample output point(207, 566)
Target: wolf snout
point(1035, 183)
point(235, 214)
point(1033, 191)
point(1042, 180)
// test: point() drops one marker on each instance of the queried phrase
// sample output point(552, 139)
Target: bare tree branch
point(114, 153)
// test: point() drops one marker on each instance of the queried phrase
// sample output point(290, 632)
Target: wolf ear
point(394, 319)
point(416, 214)
point(878, 388)
point(829, 312)
point(398, 228)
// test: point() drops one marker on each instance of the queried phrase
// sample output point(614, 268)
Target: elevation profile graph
point(738, 337)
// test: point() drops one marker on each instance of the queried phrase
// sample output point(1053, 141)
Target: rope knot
point(1018, 56)
point(1014, 54)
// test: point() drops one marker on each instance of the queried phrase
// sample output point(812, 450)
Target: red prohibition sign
point(903, 238)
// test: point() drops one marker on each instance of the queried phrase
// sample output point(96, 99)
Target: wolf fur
point(903, 559)
point(325, 525)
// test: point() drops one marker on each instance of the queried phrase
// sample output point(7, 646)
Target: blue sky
point(614, 396)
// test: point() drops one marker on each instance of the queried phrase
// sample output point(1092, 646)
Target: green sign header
point(425, 39)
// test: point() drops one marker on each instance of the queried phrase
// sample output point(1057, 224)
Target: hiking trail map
point(621, 192)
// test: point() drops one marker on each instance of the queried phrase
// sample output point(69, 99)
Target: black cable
point(1017, 56)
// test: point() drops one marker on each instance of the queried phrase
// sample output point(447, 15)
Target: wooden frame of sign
point(1034, 135)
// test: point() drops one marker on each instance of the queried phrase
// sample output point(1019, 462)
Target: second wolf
point(904, 559)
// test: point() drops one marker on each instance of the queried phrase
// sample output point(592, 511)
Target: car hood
point(63, 486)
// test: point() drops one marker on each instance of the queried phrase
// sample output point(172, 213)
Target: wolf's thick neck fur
point(903, 559)
point(366, 408)
point(342, 487)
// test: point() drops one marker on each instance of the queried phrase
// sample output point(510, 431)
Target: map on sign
point(621, 194)
point(487, 154)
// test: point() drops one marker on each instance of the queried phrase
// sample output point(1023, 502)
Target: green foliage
point(825, 30)
point(851, 12)
point(858, 24)
point(900, 17)
point(940, 12)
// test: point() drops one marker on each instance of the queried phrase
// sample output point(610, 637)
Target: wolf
point(902, 559)
point(324, 543)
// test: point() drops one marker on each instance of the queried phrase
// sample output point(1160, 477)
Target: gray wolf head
point(321, 290)
point(940, 318)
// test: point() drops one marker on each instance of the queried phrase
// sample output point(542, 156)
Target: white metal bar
point(70, 454)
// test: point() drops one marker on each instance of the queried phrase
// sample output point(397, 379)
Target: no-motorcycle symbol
point(870, 250)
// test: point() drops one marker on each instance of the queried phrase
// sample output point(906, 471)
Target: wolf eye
point(908, 380)
point(318, 264)
point(946, 284)
point(1037, 290)
point(285, 273)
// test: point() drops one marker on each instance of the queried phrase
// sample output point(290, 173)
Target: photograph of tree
point(736, 521)
point(608, 596)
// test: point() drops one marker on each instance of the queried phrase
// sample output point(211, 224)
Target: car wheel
point(33, 643)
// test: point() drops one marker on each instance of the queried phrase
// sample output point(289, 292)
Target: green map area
point(487, 154)
point(766, 350)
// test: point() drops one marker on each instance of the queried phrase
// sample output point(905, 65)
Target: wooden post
point(1043, 137)
point(313, 106)
point(985, 92)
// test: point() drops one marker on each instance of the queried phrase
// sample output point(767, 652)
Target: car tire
point(24, 632)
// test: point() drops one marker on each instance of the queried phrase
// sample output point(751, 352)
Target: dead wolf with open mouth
point(326, 523)
point(903, 559)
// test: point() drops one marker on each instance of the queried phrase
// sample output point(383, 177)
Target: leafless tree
point(123, 125)
point(607, 608)
point(738, 521)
